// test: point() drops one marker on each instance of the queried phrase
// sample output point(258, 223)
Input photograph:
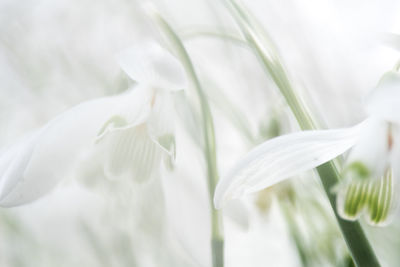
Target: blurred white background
point(56, 54)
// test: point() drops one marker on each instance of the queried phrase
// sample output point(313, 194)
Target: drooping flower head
point(141, 134)
point(133, 129)
point(369, 174)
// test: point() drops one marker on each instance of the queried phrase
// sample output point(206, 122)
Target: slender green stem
point(217, 242)
point(357, 242)
point(264, 49)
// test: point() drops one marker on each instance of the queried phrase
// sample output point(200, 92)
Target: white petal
point(161, 122)
point(369, 158)
point(281, 158)
point(238, 213)
point(132, 154)
point(13, 162)
point(150, 64)
point(132, 110)
point(395, 165)
point(35, 167)
point(384, 101)
point(373, 197)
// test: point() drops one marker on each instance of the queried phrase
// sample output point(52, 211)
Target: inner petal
point(372, 197)
point(132, 153)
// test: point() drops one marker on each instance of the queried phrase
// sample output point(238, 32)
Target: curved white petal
point(32, 168)
point(369, 158)
point(384, 101)
point(151, 64)
point(133, 109)
point(281, 158)
point(13, 162)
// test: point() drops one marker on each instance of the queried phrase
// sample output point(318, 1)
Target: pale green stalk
point(264, 49)
point(217, 242)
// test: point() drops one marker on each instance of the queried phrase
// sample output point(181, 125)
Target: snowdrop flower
point(370, 171)
point(133, 128)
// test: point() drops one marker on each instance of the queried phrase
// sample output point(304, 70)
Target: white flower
point(368, 185)
point(134, 130)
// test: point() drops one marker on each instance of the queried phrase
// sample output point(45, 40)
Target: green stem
point(217, 242)
point(357, 242)
point(354, 236)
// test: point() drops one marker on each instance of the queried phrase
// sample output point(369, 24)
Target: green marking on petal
point(359, 170)
point(382, 200)
point(389, 199)
point(357, 201)
point(364, 195)
point(373, 203)
point(351, 197)
point(374, 197)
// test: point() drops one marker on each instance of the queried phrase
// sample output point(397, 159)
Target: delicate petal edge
point(264, 165)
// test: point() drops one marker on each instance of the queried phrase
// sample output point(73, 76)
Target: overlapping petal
point(161, 125)
point(373, 197)
point(134, 123)
point(32, 167)
point(281, 158)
